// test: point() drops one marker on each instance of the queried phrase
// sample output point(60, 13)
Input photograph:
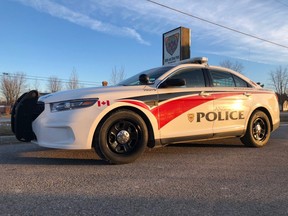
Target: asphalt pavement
point(284, 116)
point(220, 178)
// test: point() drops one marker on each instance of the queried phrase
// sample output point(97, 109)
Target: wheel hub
point(258, 129)
point(123, 137)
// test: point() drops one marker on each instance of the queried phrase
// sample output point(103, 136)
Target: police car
point(160, 106)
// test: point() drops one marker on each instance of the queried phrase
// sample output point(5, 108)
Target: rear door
point(181, 108)
point(232, 102)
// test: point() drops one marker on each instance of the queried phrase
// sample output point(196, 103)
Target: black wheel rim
point(123, 136)
point(259, 129)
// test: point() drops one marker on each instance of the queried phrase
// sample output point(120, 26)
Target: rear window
point(240, 82)
point(222, 79)
point(226, 79)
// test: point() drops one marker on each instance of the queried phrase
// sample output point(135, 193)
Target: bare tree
point(117, 75)
point(233, 65)
point(279, 80)
point(54, 84)
point(12, 86)
point(36, 84)
point(73, 82)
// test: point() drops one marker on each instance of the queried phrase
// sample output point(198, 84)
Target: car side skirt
point(203, 137)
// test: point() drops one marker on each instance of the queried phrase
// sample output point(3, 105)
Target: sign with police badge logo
point(176, 45)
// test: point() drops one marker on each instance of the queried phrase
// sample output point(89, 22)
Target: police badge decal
point(190, 117)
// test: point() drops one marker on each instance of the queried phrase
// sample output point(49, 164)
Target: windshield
point(153, 74)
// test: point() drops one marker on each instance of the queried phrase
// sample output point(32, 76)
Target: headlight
point(72, 104)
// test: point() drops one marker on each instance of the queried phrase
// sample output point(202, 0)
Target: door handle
point(204, 94)
point(247, 94)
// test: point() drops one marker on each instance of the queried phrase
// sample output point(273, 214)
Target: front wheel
point(258, 130)
point(122, 138)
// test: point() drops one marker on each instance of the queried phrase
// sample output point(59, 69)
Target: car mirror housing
point(144, 79)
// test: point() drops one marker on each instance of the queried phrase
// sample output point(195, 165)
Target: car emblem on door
point(190, 117)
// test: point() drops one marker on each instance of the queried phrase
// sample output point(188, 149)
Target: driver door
point(182, 109)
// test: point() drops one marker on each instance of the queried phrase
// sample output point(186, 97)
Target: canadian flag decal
point(103, 103)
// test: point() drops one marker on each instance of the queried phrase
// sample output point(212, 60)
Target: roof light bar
point(196, 60)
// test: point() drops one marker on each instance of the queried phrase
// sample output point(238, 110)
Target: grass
point(5, 129)
point(6, 134)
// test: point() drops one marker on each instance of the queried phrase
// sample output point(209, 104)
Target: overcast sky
point(45, 38)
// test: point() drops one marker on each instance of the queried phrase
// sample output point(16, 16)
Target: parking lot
point(212, 178)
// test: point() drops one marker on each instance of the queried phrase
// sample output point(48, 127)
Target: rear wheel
point(258, 130)
point(122, 138)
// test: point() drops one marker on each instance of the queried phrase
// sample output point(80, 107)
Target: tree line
point(54, 84)
point(13, 85)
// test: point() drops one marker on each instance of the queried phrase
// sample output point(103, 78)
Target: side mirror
point(144, 79)
point(173, 83)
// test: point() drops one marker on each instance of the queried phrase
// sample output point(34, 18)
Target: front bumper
point(32, 120)
point(64, 130)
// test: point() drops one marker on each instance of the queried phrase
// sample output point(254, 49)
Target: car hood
point(94, 92)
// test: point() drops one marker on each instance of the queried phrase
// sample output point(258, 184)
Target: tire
point(122, 137)
point(258, 130)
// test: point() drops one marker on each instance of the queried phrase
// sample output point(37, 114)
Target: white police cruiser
point(168, 104)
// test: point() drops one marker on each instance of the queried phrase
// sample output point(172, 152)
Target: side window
point(193, 77)
point(222, 79)
point(240, 82)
